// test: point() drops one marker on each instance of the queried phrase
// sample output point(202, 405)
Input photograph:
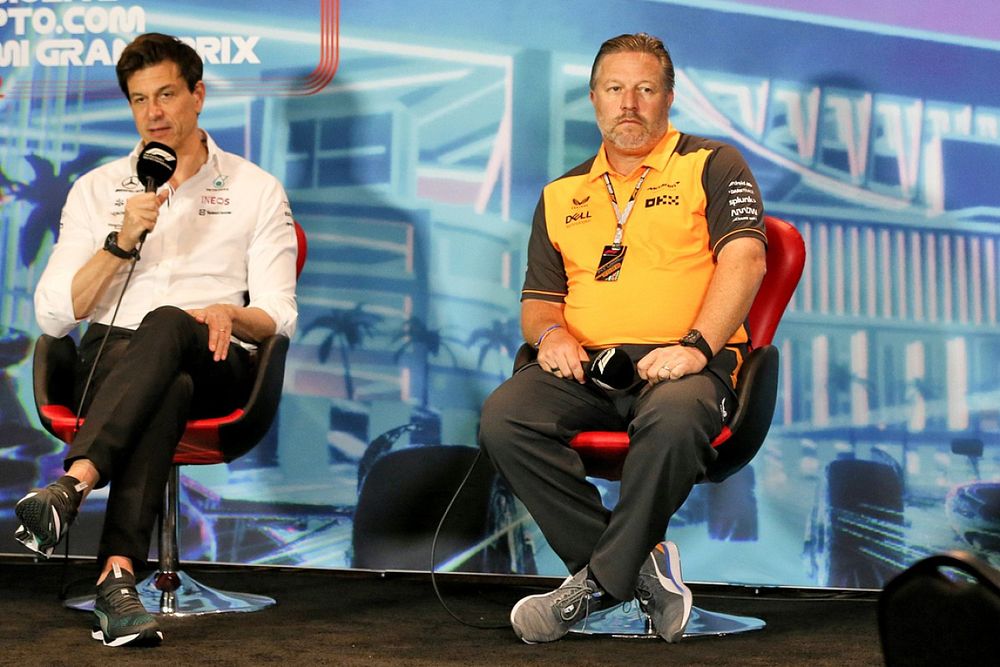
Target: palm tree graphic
point(502, 336)
point(46, 193)
point(347, 328)
point(425, 343)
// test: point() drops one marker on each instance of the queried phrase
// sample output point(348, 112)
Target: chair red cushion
point(603, 452)
point(198, 446)
point(63, 421)
point(200, 443)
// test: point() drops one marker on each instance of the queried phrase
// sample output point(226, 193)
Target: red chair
point(169, 590)
point(603, 452)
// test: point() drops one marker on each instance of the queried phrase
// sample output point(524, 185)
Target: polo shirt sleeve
point(75, 245)
point(545, 278)
point(734, 206)
point(271, 259)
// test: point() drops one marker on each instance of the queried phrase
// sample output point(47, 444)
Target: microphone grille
point(157, 161)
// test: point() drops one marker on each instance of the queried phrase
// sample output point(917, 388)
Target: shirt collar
point(657, 159)
point(213, 151)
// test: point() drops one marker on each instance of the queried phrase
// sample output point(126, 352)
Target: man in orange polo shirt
point(655, 245)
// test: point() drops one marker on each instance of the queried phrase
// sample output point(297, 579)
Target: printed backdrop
point(413, 144)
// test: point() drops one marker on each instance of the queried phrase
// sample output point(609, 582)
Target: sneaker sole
point(35, 533)
point(143, 638)
point(671, 581)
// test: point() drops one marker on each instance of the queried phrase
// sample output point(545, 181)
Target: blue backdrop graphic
point(413, 145)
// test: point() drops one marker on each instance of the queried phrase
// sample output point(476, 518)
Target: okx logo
point(661, 200)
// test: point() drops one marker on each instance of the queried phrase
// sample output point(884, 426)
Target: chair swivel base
point(627, 620)
point(189, 598)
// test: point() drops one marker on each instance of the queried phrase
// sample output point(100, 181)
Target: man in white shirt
point(216, 276)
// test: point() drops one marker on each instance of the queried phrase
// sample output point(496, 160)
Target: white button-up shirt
point(226, 235)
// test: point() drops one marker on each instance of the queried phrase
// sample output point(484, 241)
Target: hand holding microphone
point(611, 369)
point(156, 164)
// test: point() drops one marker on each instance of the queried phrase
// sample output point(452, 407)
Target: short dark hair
point(154, 48)
point(637, 43)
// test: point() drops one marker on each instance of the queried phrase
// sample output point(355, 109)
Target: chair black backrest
point(402, 501)
point(926, 617)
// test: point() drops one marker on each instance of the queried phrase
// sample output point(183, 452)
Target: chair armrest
point(524, 356)
point(241, 434)
point(53, 373)
point(757, 393)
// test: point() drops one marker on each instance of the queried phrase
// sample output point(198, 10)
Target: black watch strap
point(111, 245)
point(694, 339)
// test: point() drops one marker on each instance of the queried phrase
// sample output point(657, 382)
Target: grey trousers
point(528, 421)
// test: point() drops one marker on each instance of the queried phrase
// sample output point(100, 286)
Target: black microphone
point(611, 369)
point(155, 166)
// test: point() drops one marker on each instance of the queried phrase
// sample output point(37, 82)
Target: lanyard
point(622, 215)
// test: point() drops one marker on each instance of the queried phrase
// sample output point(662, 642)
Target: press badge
point(610, 266)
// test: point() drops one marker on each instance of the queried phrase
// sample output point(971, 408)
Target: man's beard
point(631, 136)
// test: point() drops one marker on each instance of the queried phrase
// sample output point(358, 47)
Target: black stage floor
point(362, 618)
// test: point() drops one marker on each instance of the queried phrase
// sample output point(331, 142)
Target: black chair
point(401, 503)
point(943, 610)
point(205, 441)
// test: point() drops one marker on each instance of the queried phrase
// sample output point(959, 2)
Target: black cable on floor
point(437, 532)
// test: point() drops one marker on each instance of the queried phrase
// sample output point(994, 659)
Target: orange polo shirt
point(698, 195)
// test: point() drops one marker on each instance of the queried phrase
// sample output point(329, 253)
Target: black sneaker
point(548, 616)
point(120, 619)
point(46, 514)
point(662, 593)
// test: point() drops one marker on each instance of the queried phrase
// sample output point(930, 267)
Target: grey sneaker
point(46, 514)
point(662, 593)
point(119, 617)
point(548, 616)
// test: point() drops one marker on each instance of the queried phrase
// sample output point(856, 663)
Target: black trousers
point(528, 421)
point(147, 384)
